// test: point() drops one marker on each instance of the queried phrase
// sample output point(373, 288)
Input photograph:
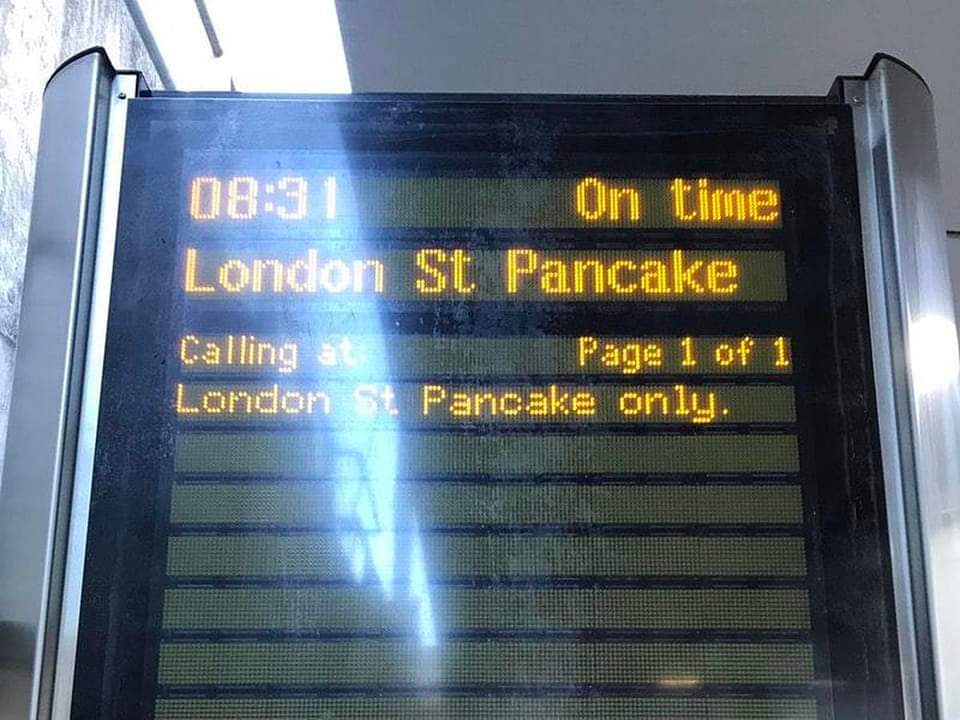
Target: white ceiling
point(653, 47)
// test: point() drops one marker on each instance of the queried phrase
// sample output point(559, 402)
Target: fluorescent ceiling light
point(181, 41)
point(282, 45)
point(267, 46)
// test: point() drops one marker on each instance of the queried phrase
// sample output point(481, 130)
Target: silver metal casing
point(49, 386)
point(916, 366)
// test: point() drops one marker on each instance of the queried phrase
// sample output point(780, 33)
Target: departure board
point(479, 408)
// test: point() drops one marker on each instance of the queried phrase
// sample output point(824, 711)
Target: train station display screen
point(487, 408)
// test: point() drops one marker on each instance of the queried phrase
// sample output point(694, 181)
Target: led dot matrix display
point(473, 409)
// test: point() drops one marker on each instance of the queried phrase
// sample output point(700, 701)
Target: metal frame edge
point(124, 87)
point(44, 412)
point(909, 293)
point(881, 340)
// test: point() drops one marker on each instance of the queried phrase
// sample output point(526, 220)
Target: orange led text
point(677, 274)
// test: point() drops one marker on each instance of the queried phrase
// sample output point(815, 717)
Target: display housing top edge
point(572, 98)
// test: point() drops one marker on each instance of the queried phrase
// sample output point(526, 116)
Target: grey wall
point(655, 46)
point(35, 37)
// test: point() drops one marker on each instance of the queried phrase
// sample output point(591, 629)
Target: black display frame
point(807, 142)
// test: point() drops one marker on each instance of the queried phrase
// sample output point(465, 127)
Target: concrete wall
point(35, 37)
